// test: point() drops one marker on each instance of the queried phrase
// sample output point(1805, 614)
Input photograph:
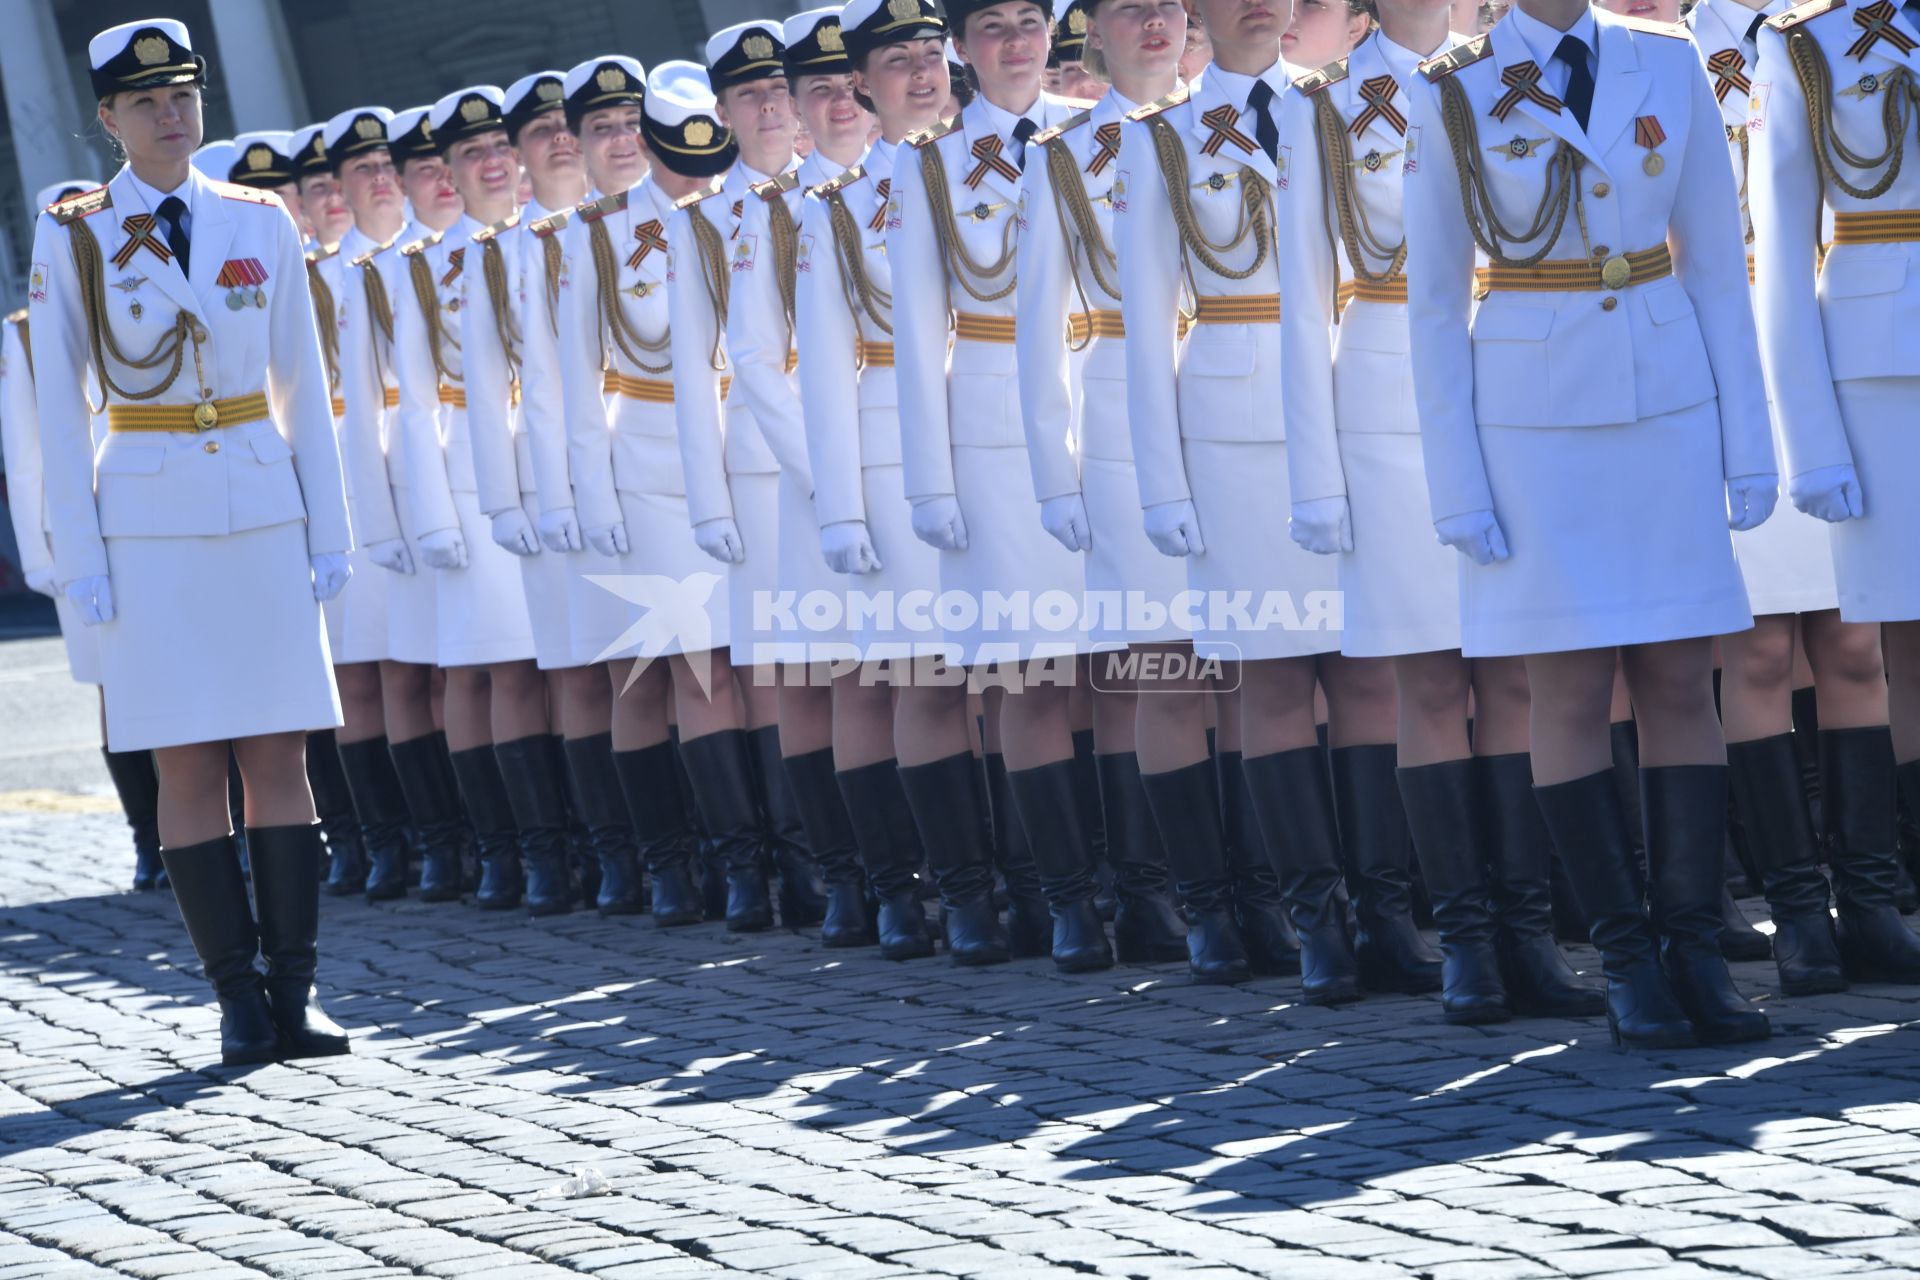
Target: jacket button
point(1609, 302)
point(1601, 190)
point(213, 446)
point(1601, 251)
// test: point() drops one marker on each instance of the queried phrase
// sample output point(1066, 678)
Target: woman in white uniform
point(213, 520)
point(1845, 378)
point(1602, 415)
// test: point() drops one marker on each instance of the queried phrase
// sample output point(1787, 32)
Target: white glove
point(720, 538)
point(560, 530)
point(1174, 528)
point(608, 540)
point(41, 580)
point(1475, 535)
point(513, 531)
point(1322, 525)
point(392, 555)
point(1065, 517)
point(444, 549)
point(937, 522)
point(93, 597)
point(1750, 500)
point(330, 574)
point(848, 547)
point(1830, 493)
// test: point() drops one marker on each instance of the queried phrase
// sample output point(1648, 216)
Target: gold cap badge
point(828, 33)
point(903, 9)
point(150, 51)
point(259, 158)
point(369, 127)
point(473, 110)
point(1077, 22)
point(699, 133)
point(547, 91)
point(757, 48)
point(611, 79)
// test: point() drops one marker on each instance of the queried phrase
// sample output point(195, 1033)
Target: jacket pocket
point(270, 446)
point(1666, 302)
point(1859, 276)
point(125, 458)
point(1512, 324)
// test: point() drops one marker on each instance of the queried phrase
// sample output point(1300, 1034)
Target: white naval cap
point(308, 151)
point(466, 113)
point(607, 81)
point(262, 158)
point(815, 46)
point(143, 55)
point(681, 123)
point(59, 191)
point(353, 131)
point(867, 25)
point(530, 95)
point(215, 159)
point(744, 52)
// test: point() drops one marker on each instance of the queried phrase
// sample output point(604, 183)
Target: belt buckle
point(206, 416)
point(1616, 271)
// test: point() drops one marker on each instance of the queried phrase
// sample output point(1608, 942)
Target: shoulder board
point(594, 210)
point(934, 134)
point(1158, 105)
point(1671, 30)
point(1459, 56)
point(77, 207)
point(18, 317)
point(1314, 81)
point(1802, 12)
point(846, 179)
point(777, 186)
point(541, 228)
point(421, 245)
point(247, 195)
point(321, 255)
point(688, 201)
point(497, 230)
point(1071, 123)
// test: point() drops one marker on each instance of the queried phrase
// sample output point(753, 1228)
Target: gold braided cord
point(381, 308)
point(493, 268)
point(26, 342)
point(553, 260)
point(1256, 217)
point(1077, 222)
point(429, 299)
point(1816, 84)
point(786, 255)
point(1346, 214)
point(960, 265)
point(714, 271)
point(1746, 170)
point(1489, 231)
point(850, 252)
point(170, 349)
point(326, 314)
point(606, 273)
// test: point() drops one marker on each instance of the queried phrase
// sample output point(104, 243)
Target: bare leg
point(1756, 679)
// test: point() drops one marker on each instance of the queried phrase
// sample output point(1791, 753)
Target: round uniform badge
point(1216, 180)
point(1653, 164)
point(1615, 272)
point(236, 300)
point(1869, 83)
point(260, 298)
point(1519, 147)
point(981, 212)
point(1371, 160)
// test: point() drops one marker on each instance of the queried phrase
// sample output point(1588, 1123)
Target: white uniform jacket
point(368, 393)
point(147, 484)
point(492, 341)
point(1058, 281)
point(434, 275)
point(20, 447)
point(1856, 318)
point(1228, 383)
point(979, 161)
point(543, 419)
point(1589, 357)
point(847, 388)
point(717, 432)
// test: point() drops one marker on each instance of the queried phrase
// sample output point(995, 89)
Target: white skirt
point(812, 621)
point(413, 633)
point(1787, 563)
point(753, 583)
point(1399, 584)
point(481, 610)
point(1618, 536)
point(214, 638)
point(83, 646)
point(1014, 593)
point(1876, 559)
point(543, 580)
point(1255, 593)
point(890, 612)
point(1131, 587)
point(670, 596)
point(596, 616)
point(357, 617)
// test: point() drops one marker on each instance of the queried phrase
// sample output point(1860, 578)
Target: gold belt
point(339, 406)
point(793, 360)
point(651, 390)
point(978, 328)
point(205, 416)
point(1579, 275)
point(453, 397)
point(876, 355)
point(1238, 308)
point(1877, 226)
point(1082, 325)
point(391, 396)
point(1389, 290)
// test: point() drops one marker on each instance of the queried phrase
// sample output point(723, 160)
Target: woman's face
point(1006, 45)
point(484, 168)
point(155, 126)
point(906, 82)
point(324, 204)
point(831, 117)
point(371, 186)
point(1139, 37)
point(1322, 31)
point(548, 148)
point(429, 187)
point(610, 137)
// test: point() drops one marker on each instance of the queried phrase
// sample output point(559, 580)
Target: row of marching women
point(1340, 482)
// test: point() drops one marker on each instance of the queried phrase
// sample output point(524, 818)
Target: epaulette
point(1671, 30)
point(541, 228)
point(18, 317)
point(776, 186)
point(1802, 12)
point(1314, 81)
point(1158, 105)
point(499, 228)
point(321, 254)
point(844, 180)
point(594, 210)
point(1071, 123)
point(1464, 55)
point(934, 134)
point(713, 188)
point(74, 208)
point(421, 245)
point(249, 195)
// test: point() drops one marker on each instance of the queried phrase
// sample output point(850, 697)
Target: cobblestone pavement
point(761, 1104)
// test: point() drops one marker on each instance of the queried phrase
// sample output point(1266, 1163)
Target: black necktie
point(1022, 130)
point(173, 211)
point(1753, 28)
point(1579, 95)
point(1266, 130)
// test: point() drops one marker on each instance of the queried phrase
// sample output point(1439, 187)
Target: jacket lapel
point(1510, 50)
point(213, 232)
point(166, 276)
point(1621, 90)
point(978, 128)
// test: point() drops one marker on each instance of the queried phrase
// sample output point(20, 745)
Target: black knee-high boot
point(1147, 928)
point(1450, 840)
point(945, 798)
point(1273, 949)
point(1029, 925)
point(1806, 751)
point(346, 861)
point(1590, 830)
point(381, 806)
point(1186, 810)
point(722, 779)
point(1049, 812)
point(433, 803)
point(1625, 738)
point(1093, 821)
point(1860, 792)
point(286, 870)
point(496, 837)
point(138, 787)
point(831, 840)
point(1767, 791)
point(212, 897)
point(609, 826)
point(237, 809)
point(882, 821)
point(802, 903)
point(1377, 854)
point(534, 771)
point(708, 871)
point(650, 784)
point(1292, 796)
